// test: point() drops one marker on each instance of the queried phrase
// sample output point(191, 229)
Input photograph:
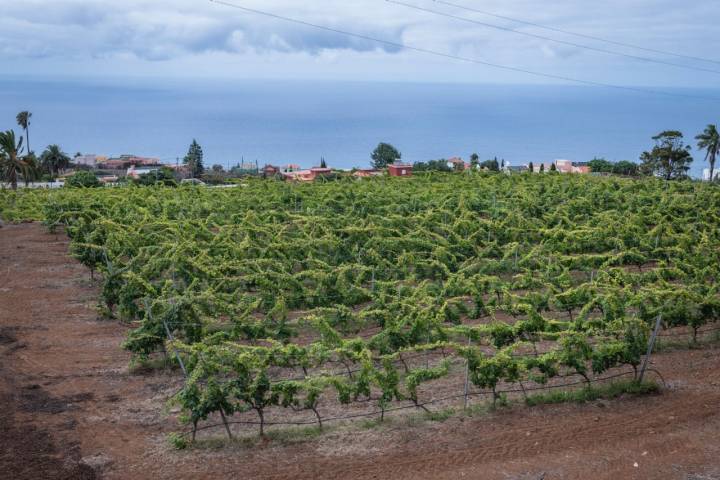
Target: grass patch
point(296, 435)
point(440, 415)
point(139, 366)
point(375, 422)
point(680, 343)
point(588, 394)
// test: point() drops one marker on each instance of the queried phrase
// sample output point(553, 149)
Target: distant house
point(321, 171)
point(134, 172)
point(113, 164)
point(306, 175)
point(181, 169)
point(298, 176)
point(563, 166)
point(457, 163)
point(89, 160)
point(515, 169)
point(291, 167)
point(568, 166)
point(270, 170)
point(125, 161)
point(400, 170)
point(545, 167)
point(366, 173)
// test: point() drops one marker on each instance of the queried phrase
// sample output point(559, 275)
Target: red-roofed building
point(270, 170)
point(125, 161)
point(400, 170)
point(457, 163)
point(321, 171)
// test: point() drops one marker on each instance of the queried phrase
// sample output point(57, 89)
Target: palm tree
point(23, 119)
point(32, 170)
point(709, 140)
point(11, 162)
point(54, 159)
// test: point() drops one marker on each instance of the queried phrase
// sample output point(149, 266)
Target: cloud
point(163, 30)
point(37, 34)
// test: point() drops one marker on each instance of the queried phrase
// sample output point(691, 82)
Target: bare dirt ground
point(70, 409)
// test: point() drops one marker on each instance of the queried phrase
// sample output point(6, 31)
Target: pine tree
point(194, 159)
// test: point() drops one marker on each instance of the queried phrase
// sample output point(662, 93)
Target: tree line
point(670, 158)
point(18, 160)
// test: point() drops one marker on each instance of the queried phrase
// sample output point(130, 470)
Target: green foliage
point(589, 394)
point(491, 165)
point(384, 155)
point(163, 176)
point(83, 179)
point(178, 441)
point(12, 163)
point(709, 141)
point(670, 158)
point(432, 166)
point(600, 165)
point(54, 160)
point(194, 160)
point(624, 167)
point(283, 296)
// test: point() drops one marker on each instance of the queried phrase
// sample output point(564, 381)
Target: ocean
point(283, 122)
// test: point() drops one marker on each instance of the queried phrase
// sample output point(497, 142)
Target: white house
point(91, 160)
point(133, 172)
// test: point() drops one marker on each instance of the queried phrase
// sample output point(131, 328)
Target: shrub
point(83, 179)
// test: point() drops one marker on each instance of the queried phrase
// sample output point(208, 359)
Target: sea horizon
point(280, 122)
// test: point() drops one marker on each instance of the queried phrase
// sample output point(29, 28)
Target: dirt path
point(71, 410)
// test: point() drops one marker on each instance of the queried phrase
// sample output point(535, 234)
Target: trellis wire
point(413, 406)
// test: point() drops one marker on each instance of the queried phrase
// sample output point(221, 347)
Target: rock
point(97, 462)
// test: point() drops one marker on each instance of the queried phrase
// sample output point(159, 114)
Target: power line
point(581, 35)
point(550, 39)
point(461, 58)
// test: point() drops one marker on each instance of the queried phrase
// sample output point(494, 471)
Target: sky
point(191, 39)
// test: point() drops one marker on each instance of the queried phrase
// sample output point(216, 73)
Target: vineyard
point(370, 296)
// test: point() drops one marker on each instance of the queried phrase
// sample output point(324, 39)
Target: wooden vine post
point(651, 345)
point(467, 380)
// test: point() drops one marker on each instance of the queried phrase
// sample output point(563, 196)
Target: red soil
point(72, 410)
